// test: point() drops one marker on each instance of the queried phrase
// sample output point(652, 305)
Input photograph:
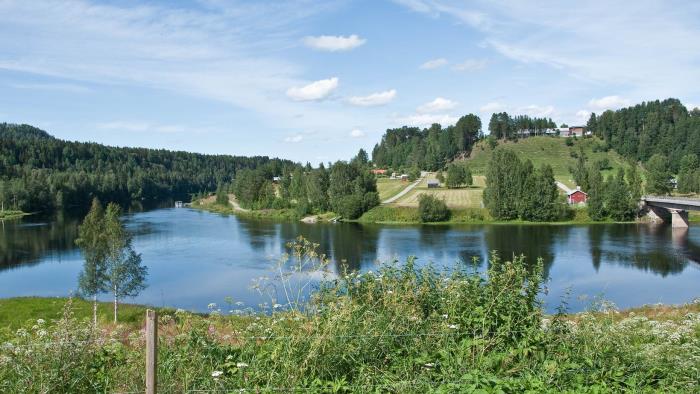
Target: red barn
point(378, 171)
point(577, 196)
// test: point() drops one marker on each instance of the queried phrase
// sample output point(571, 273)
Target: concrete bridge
point(673, 209)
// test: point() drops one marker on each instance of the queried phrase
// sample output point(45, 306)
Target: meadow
point(401, 329)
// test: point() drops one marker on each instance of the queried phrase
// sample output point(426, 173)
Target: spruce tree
point(659, 175)
point(595, 203)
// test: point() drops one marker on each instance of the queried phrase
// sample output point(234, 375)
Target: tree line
point(515, 189)
point(656, 127)
point(41, 173)
point(346, 188)
point(407, 148)
point(504, 126)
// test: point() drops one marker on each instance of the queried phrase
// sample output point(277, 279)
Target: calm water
point(196, 258)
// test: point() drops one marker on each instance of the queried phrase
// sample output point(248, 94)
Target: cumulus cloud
point(434, 63)
point(334, 43)
point(357, 133)
point(438, 105)
point(608, 102)
point(374, 99)
point(582, 116)
point(314, 91)
point(294, 138)
point(425, 120)
point(492, 107)
point(470, 65)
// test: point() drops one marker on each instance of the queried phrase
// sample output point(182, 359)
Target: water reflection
point(196, 257)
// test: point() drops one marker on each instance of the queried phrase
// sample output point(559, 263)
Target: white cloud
point(470, 65)
point(425, 120)
point(650, 48)
point(140, 127)
point(582, 116)
point(357, 133)
point(433, 64)
point(374, 99)
point(294, 138)
point(492, 107)
point(318, 90)
point(536, 110)
point(608, 102)
point(438, 105)
point(65, 87)
point(334, 43)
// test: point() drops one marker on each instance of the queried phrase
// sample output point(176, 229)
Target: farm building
point(378, 171)
point(433, 184)
point(577, 196)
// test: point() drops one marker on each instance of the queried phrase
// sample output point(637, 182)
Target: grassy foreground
point(401, 329)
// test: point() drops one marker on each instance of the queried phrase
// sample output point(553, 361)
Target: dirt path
point(402, 192)
point(236, 206)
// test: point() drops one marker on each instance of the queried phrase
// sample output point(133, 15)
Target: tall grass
point(401, 329)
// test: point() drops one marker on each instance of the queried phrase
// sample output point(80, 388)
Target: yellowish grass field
point(389, 187)
point(454, 198)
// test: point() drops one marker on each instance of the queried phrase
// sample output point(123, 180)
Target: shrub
point(351, 207)
point(431, 209)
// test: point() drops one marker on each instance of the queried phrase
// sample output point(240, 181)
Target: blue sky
point(317, 80)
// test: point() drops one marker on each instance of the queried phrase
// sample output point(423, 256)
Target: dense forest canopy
point(40, 173)
point(655, 127)
point(428, 149)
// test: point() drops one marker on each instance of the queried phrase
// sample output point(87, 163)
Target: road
point(402, 192)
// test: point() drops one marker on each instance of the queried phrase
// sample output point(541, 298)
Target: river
point(196, 258)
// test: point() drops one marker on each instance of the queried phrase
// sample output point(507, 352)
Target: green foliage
point(42, 173)
point(654, 127)
point(619, 203)
point(689, 174)
point(659, 175)
point(432, 209)
point(428, 149)
point(222, 195)
point(458, 174)
point(405, 328)
point(503, 126)
point(515, 190)
point(596, 196)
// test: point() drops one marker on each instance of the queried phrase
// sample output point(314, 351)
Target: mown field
point(388, 188)
point(465, 197)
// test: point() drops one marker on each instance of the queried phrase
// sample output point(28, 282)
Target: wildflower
point(216, 374)
point(429, 365)
point(453, 326)
point(180, 311)
point(40, 321)
point(239, 303)
point(241, 365)
point(390, 292)
point(41, 333)
point(445, 316)
point(276, 306)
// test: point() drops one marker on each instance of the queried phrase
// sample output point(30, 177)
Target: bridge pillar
point(679, 218)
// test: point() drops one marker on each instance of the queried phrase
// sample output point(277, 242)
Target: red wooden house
point(577, 196)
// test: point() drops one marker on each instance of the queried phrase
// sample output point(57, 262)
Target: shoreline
point(8, 215)
point(387, 215)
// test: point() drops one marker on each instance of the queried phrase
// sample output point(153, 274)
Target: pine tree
point(659, 175)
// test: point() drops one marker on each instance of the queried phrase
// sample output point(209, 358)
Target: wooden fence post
point(151, 351)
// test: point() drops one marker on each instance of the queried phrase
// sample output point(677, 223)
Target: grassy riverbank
point(400, 329)
point(6, 215)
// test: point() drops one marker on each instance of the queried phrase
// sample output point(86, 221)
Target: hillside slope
point(549, 150)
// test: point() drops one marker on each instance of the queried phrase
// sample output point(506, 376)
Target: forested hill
point(654, 127)
point(40, 173)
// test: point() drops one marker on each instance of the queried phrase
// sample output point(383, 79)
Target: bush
point(432, 210)
point(569, 141)
point(350, 207)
